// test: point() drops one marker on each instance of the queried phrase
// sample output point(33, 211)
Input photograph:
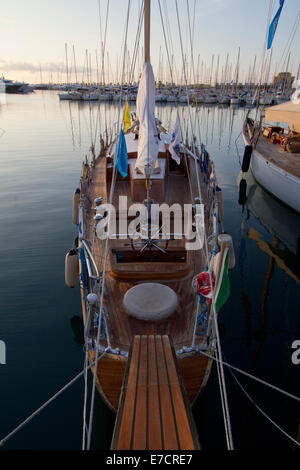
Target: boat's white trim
point(282, 184)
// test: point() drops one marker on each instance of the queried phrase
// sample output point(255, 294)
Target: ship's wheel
point(150, 246)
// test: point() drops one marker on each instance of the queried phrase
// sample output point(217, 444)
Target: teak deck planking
point(154, 413)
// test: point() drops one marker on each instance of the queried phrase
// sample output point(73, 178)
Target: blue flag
point(122, 160)
point(273, 25)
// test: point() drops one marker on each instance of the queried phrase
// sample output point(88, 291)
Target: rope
point(86, 329)
point(287, 47)
point(167, 49)
point(262, 68)
point(290, 395)
point(136, 45)
point(103, 44)
point(273, 387)
point(263, 412)
point(251, 399)
point(191, 40)
point(84, 425)
point(106, 245)
point(41, 408)
point(222, 377)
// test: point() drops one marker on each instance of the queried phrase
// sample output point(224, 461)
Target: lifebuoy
point(204, 285)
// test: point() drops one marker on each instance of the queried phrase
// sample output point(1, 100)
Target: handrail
point(86, 247)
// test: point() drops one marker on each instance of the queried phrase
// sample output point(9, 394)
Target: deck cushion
point(150, 301)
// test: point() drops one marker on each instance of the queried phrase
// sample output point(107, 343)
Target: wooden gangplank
point(154, 412)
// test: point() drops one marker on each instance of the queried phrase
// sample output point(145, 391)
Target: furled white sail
point(148, 136)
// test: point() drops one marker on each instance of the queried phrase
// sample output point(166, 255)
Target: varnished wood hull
point(194, 370)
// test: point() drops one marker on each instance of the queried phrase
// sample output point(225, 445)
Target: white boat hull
point(283, 185)
point(65, 96)
point(210, 100)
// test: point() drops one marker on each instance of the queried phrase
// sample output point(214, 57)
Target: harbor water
point(42, 144)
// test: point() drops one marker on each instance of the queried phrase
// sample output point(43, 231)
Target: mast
point(75, 64)
point(67, 65)
point(147, 30)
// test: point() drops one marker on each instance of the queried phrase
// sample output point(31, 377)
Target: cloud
point(8, 66)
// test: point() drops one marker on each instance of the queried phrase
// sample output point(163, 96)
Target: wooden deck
point(154, 413)
point(120, 277)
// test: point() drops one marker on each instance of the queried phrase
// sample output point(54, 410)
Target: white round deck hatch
point(150, 301)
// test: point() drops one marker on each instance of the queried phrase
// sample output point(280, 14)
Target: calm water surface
point(42, 146)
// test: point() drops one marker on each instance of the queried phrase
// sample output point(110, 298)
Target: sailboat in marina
point(273, 146)
point(273, 152)
point(150, 255)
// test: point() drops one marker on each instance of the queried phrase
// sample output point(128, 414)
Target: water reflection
point(281, 222)
point(283, 225)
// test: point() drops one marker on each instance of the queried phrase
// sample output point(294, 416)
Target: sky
point(33, 34)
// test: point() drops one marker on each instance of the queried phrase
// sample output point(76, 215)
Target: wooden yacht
point(150, 283)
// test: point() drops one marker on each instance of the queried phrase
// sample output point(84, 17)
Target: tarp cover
point(286, 112)
point(148, 136)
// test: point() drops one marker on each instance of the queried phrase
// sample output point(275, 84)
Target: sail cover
point(148, 138)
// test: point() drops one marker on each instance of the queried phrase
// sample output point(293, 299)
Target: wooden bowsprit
point(154, 412)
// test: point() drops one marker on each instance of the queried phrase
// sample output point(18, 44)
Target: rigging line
point(264, 413)
point(169, 35)
point(100, 23)
point(84, 425)
point(257, 379)
point(104, 43)
point(193, 64)
point(188, 99)
point(97, 122)
point(262, 66)
point(290, 39)
point(42, 407)
point(86, 329)
point(289, 47)
point(194, 18)
point(136, 45)
point(189, 178)
point(106, 244)
point(222, 383)
point(167, 49)
point(191, 41)
point(223, 404)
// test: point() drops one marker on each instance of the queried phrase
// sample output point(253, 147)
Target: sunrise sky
point(33, 34)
